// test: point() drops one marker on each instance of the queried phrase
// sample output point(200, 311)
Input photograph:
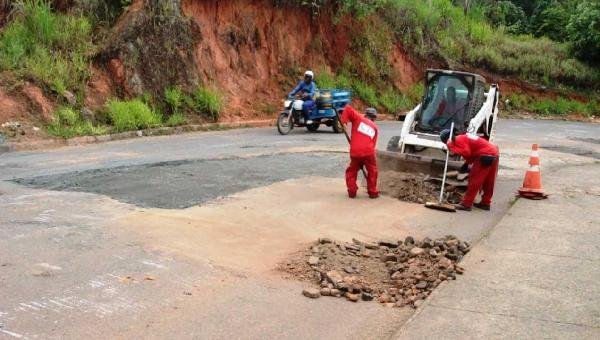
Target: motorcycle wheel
point(337, 125)
point(313, 127)
point(284, 123)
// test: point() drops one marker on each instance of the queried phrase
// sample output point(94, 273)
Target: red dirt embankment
point(252, 51)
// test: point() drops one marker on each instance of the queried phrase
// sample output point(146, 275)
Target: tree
point(584, 31)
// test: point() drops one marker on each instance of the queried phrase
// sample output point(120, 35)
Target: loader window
point(446, 101)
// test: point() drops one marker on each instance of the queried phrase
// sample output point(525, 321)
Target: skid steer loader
point(450, 96)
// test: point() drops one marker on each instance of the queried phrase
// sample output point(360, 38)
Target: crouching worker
point(362, 149)
point(483, 158)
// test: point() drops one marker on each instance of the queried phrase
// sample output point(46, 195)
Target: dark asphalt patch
point(587, 140)
point(182, 184)
point(573, 151)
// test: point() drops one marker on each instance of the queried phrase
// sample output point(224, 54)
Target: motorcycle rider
point(362, 149)
point(307, 89)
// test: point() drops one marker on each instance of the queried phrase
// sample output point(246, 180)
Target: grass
point(132, 114)
point(68, 123)
point(552, 107)
point(208, 101)
point(174, 97)
point(176, 119)
point(49, 47)
point(439, 29)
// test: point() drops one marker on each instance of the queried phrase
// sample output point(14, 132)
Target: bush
point(67, 123)
point(394, 101)
point(132, 115)
point(175, 98)
point(49, 47)
point(552, 107)
point(176, 119)
point(208, 101)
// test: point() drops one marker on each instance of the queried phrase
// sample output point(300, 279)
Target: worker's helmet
point(371, 112)
point(310, 74)
point(444, 135)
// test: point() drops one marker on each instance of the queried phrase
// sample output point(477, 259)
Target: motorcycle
point(328, 104)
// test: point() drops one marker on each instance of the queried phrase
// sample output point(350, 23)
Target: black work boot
point(482, 206)
point(459, 206)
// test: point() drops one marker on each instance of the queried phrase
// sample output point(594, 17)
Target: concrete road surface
point(179, 236)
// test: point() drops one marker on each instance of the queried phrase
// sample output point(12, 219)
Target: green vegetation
point(552, 107)
point(208, 101)
point(391, 100)
point(50, 47)
point(67, 123)
point(132, 115)
point(176, 119)
point(174, 97)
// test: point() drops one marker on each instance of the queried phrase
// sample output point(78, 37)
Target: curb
point(161, 131)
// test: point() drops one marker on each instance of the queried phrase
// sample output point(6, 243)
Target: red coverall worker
point(483, 157)
point(362, 151)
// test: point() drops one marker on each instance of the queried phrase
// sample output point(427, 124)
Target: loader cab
point(450, 96)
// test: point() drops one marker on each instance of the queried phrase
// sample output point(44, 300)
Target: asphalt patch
point(182, 184)
point(573, 151)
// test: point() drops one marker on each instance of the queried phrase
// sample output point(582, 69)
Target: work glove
point(464, 169)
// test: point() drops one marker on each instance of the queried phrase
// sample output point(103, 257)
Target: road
point(178, 236)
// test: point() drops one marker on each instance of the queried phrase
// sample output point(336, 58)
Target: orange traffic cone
point(532, 184)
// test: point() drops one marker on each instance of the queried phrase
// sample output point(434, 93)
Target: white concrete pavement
point(535, 276)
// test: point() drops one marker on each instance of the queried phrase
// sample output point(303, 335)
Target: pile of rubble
point(397, 274)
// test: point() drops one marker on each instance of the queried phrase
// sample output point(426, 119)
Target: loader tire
point(393, 144)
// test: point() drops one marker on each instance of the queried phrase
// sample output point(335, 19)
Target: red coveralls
point(471, 148)
point(362, 151)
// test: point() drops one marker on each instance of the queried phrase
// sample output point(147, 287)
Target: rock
point(438, 243)
point(427, 243)
point(453, 257)
point(334, 276)
point(388, 243)
point(389, 257)
point(459, 270)
point(452, 243)
point(312, 293)
point(349, 270)
point(409, 240)
point(336, 292)
point(418, 303)
point(70, 97)
point(352, 297)
point(393, 291)
point(313, 260)
point(421, 285)
point(365, 253)
point(444, 263)
point(325, 240)
point(371, 246)
point(87, 114)
point(326, 292)
point(433, 252)
point(366, 296)
point(384, 298)
point(396, 276)
point(416, 251)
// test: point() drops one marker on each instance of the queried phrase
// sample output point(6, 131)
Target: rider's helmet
point(371, 113)
point(310, 74)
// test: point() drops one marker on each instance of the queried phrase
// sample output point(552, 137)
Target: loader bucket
point(410, 163)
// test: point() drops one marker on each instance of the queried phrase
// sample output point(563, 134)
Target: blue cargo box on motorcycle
point(328, 102)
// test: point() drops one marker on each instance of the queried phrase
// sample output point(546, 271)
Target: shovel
point(440, 205)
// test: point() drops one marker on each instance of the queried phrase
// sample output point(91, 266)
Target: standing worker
point(483, 157)
point(362, 149)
